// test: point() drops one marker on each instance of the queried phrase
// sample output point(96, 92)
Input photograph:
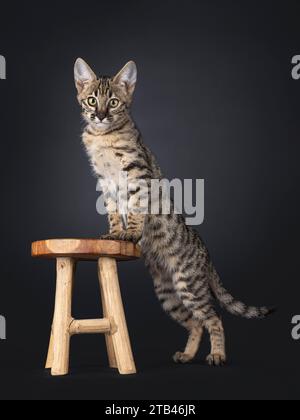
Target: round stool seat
point(85, 249)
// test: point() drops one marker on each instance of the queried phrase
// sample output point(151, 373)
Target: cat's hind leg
point(196, 296)
point(173, 305)
point(215, 328)
point(193, 344)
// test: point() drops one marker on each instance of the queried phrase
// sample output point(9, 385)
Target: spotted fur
point(185, 280)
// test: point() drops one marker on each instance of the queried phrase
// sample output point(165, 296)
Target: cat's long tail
point(234, 306)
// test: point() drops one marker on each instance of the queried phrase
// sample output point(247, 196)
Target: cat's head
point(105, 100)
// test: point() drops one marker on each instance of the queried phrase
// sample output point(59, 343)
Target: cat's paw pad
point(216, 360)
point(182, 358)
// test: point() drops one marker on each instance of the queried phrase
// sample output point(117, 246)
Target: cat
point(186, 282)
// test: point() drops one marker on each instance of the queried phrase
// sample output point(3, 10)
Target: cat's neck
point(127, 132)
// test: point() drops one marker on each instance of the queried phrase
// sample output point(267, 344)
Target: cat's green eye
point(113, 103)
point(92, 101)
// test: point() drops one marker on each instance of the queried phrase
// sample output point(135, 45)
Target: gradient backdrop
point(215, 100)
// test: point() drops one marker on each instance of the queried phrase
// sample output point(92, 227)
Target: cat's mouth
point(104, 124)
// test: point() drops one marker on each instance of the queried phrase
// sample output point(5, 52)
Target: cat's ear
point(127, 78)
point(83, 74)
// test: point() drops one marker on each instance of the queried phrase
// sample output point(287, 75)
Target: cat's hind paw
point(216, 360)
point(182, 358)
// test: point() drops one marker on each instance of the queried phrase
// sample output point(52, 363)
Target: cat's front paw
point(109, 237)
point(130, 237)
point(122, 236)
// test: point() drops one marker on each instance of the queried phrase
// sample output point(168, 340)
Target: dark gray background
point(215, 100)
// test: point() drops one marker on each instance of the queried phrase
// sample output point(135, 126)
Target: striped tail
point(232, 305)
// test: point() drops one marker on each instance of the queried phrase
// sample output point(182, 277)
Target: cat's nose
point(101, 116)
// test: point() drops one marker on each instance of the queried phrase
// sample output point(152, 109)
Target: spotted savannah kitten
point(185, 279)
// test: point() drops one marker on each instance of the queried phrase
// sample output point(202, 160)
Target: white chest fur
point(103, 158)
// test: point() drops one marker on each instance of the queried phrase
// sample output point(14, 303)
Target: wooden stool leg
point(62, 316)
point(50, 356)
point(109, 342)
point(111, 293)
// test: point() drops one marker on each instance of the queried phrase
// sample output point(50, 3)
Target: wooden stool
point(67, 252)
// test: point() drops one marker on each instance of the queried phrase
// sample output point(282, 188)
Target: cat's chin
point(107, 127)
point(101, 127)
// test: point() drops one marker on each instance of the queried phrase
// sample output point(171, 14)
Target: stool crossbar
point(67, 253)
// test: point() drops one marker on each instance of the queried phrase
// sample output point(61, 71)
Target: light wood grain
point(62, 316)
point(108, 338)
point(90, 326)
point(50, 356)
point(85, 249)
point(110, 287)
